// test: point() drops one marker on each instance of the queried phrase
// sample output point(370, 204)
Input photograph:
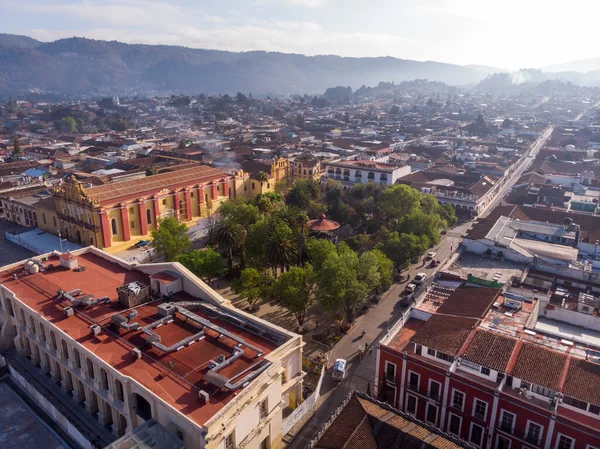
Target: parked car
point(419, 278)
point(430, 255)
point(142, 244)
point(410, 289)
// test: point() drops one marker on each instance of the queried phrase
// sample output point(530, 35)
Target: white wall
point(49, 408)
point(572, 317)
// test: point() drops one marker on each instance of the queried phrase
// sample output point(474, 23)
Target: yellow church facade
point(115, 216)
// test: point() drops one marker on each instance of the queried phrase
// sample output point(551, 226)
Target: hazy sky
point(507, 34)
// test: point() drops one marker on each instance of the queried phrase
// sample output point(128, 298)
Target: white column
point(402, 383)
point(493, 419)
point(445, 399)
point(550, 432)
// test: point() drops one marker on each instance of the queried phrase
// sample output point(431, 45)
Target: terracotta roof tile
point(365, 424)
point(445, 333)
point(581, 376)
point(490, 349)
point(539, 366)
point(118, 190)
point(471, 302)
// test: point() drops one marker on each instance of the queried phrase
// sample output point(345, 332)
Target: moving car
point(430, 255)
point(419, 278)
point(434, 263)
point(338, 372)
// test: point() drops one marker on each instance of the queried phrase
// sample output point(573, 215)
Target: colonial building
point(277, 169)
point(306, 166)
point(19, 205)
point(105, 349)
point(120, 213)
point(479, 370)
point(356, 172)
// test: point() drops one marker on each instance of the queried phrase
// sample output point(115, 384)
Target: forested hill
point(81, 66)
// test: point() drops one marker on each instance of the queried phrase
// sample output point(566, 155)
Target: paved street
point(380, 318)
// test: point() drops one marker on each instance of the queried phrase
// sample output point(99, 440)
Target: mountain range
point(82, 66)
point(86, 67)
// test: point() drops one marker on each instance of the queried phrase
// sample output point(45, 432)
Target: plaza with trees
point(271, 255)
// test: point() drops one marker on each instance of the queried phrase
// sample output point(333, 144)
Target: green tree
point(290, 215)
point(397, 201)
point(281, 246)
point(170, 239)
point(254, 247)
point(447, 213)
point(207, 264)
point(360, 243)
point(254, 285)
point(262, 178)
point(402, 249)
point(68, 124)
point(297, 289)
point(241, 211)
point(339, 288)
point(80, 125)
point(419, 223)
point(16, 146)
point(230, 236)
point(302, 193)
point(318, 250)
point(281, 186)
point(385, 267)
point(367, 271)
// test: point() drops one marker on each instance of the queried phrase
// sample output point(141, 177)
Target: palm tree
point(302, 193)
point(290, 215)
point(230, 235)
point(281, 246)
point(262, 177)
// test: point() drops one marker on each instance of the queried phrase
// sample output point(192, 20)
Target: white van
point(338, 372)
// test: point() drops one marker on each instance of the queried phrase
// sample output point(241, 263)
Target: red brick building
point(489, 380)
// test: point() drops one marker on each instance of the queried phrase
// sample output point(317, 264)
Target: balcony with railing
point(504, 427)
point(529, 437)
point(424, 392)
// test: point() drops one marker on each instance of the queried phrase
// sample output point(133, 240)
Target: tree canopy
point(253, 284)
point(296, 289)
point(170, 239)
point(207, 264)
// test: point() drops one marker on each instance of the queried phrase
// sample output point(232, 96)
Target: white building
point(138, 344)
point(361, 171)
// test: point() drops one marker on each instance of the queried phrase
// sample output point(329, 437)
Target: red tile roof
point(471, 302)
point(540, 366)
point(364, 424)
point(118, 191)
point(490, 349)
point(445, 333)
point(583, 381)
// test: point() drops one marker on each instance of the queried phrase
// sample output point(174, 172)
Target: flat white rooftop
point(569, 332)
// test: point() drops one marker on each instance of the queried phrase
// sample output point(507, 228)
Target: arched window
point(113, 225)
point(64, 350)
point(149, 216)
point(142, 407)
